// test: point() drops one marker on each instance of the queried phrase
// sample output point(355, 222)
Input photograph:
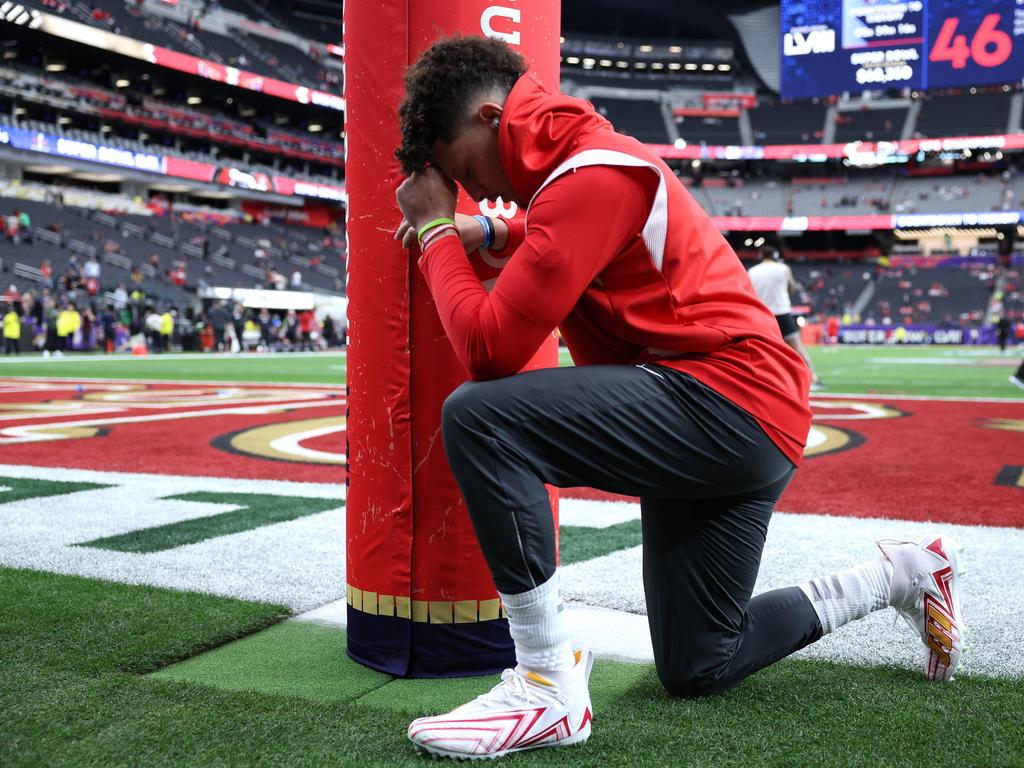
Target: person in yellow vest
point(64, 324)
point(74, 326)
point(166, 330)
point(12, 331)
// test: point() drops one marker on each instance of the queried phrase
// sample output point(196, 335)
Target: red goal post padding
point(420, 597)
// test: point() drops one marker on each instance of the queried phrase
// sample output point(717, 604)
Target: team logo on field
point(823, 439)
point(315, 441)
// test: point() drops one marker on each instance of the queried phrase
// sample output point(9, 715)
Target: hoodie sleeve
point(578, 224)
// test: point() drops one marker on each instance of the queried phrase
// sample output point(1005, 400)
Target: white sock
point(850, 594)
point(537, 624)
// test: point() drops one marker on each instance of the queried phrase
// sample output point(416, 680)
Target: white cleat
point(524, 711)
point(1017, 381)
point(924, 592)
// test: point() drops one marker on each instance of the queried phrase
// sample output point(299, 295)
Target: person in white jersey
point(773, 281)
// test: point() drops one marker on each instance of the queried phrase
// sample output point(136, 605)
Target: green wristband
point(434, 223)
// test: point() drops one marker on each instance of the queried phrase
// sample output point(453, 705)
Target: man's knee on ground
point(693, 682)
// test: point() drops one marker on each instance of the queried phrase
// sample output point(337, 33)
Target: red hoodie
point(617, 255)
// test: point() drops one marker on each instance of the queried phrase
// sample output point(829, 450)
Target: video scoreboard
point(832, 46)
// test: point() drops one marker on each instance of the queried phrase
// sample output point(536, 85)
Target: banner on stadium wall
point(867, 153)
point(915, 334)
point(797, 224)
point(182, 62)
point(166, 165)
point(420, 598)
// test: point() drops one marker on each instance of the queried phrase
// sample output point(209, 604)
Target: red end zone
point(268, 432)
point(958, 461)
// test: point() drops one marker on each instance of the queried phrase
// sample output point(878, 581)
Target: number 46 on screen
point(989, 47)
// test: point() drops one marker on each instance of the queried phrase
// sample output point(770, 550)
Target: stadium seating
point(640, 118)
point(788, 123)
point(942, 295)
point(238, 254)
point(708, 130)
point(870, 125)
point(980, 114)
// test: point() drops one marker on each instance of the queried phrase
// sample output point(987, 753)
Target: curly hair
point(440, 86)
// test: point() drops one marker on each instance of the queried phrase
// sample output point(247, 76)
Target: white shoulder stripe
point(655, 230)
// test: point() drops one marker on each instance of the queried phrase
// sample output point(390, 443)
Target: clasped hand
point(429, 195)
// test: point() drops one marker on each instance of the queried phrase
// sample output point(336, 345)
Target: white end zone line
point(192, 382)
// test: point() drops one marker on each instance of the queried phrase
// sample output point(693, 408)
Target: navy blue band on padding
point(413, 649)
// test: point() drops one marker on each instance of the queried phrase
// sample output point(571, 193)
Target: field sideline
point(106, 673)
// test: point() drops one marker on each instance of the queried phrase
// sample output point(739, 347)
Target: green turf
point(74, 693)
point(948, 371)
point(255, 510)
point(576, 543)
point(19, 488)
point(324, 368)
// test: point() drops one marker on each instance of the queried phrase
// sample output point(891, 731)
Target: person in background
point(773, 281)
point(218, 317)
point(1003, 328)
point(108, 322)
point(25, 226)
point(12, 331)
point(167, 328)
point(11, 226)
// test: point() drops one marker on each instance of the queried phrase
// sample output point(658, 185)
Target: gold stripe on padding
point(402, 609)
point(490, 609)
point(440, 611)
point(370, 603)
point(424, 611)
point(466, 612)
point(419, 611)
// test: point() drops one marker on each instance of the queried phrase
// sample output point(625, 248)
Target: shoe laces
point(514, 690)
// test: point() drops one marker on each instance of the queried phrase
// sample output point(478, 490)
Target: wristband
point(435, 233)
point(432, 224)
point(488, 227)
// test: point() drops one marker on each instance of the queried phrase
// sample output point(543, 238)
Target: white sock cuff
point(539, 595)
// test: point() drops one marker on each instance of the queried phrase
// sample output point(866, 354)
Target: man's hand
point(470, 232)
point(425, 196)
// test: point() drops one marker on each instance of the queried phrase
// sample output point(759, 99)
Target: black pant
point(12, 345)
point(708, 478)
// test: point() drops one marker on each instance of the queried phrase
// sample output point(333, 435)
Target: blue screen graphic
point(835, 46)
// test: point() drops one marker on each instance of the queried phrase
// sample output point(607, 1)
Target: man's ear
point(490, 112)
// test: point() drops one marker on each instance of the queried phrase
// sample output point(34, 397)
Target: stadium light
point(675, 66)
point(748, 242)
point(707, 67)
point(646, 48)
point(605, 62)
point(315, 127)
point(759, 242)
point(195, 100)
point(122, 83)
point(589, 63)
point(56, 66)
point(695, 164)
point(622, 64)
point(680, 143)
point(724, 67)
point(561, 40)
point(657, 65)
point(63, 120)
point(675, 49)
point(572, 59)
point(689, 66)
point(640, 65)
